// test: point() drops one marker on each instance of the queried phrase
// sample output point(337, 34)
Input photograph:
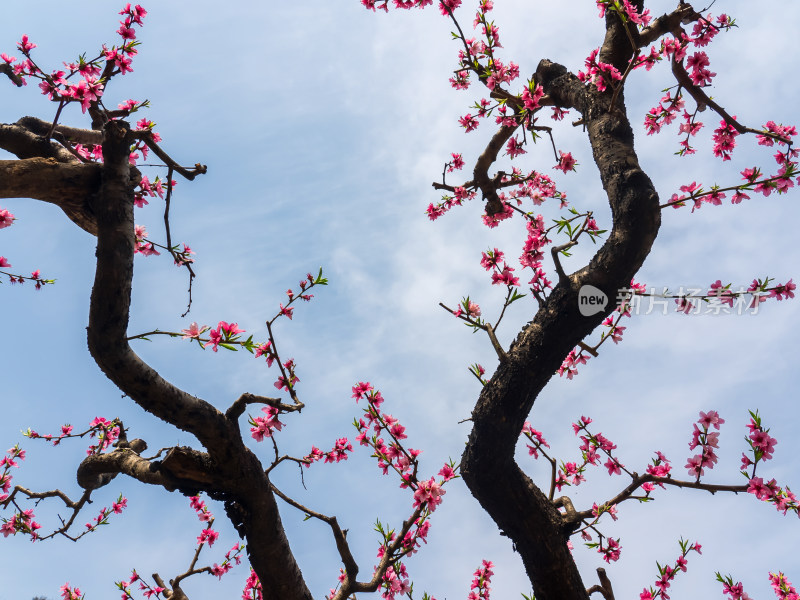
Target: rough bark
point(62, 184)
point(229, 471)
point(99, 198)
point(520, 509)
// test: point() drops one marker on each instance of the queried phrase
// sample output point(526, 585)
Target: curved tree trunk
point(229, 471)
point(520, 509)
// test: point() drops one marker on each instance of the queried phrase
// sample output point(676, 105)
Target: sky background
point(323, 125)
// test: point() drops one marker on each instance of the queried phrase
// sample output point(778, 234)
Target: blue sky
point(323, 126)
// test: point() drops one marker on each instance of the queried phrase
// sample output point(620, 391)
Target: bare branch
point(638, 480)
point(340, 537)
point(190, 174)
point(237, 409)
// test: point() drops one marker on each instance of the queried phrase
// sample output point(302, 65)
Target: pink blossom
point(429, 493)
point(566, 162)
point(711, 418)
point(25, 46)
point(361, 389)
point(613, 466)
point(514, 148)
point(193, 332)
point(118, 506)
point(468, 122)
point(207, 535)
point(447, 6)
point(215, 338)
point(759, 489)
point(230, 329)
point(612, 550)
point(491, 259)
point(6, 218)
point(262, 427)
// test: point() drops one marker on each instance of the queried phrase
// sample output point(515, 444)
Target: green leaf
point(514, 297)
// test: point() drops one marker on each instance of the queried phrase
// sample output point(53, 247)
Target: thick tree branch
point(67, 185)
point(668, 24)
point(519, 508)
point(97, 470)
point(481, 172)
point(75, 135)
point(229, 472)
point(110, 306)
point(20, 141)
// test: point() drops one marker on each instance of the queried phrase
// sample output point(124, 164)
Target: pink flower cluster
point(89, 90)
point(626, 10)
point(667, 573)
point(147, 590)
point(224, 333)
point(21, 522)
point(427, 494)
point(781, 586)
point(762, 445)
point(69, 593)
point(482, 578)
point(227, 335)
point(699, 74)
point(6, 218)
point(6, 463)
point(569, 367)
point(781, 182)
point(707, 441)
point(339, 453)
point(392, 455)
point(578, 355)
point(102, 518)
point(502, 272)
point(660, 468)
point(571, 473)
point(201, 509)
point(565, 162)
point(610, 551)
point(724, 139)
point(536, 438)
point(601, 74)
point(207, 536)
point(252, 587)
point(470, 310)
point(664, 113)
point(232, 556)
point(107, 432)
point(395, 582)
point(151, 189)
point(264, 427)
point(460, 194)
point(142, 244)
